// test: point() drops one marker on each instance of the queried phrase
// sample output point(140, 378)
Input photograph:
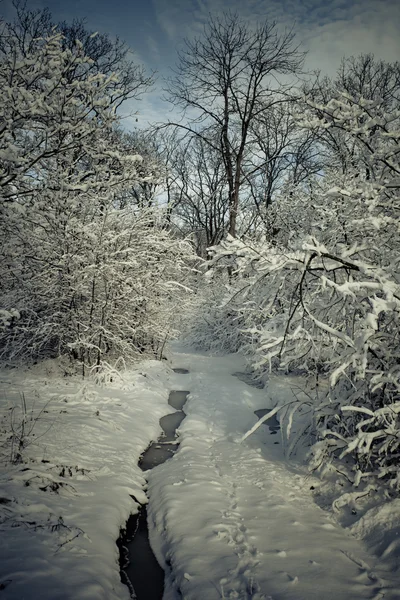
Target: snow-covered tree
point(324, 299)
point(80, 274)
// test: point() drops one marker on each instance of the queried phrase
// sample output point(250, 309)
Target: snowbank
point(62, 503)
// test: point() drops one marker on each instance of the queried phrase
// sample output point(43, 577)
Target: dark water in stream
point(139, 568)
point(272, 423)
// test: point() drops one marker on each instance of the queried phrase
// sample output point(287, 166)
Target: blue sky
point(328, 29)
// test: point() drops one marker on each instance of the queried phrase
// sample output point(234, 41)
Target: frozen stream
point(140, 570)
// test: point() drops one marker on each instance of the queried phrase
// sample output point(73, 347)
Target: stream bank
point(139, 568)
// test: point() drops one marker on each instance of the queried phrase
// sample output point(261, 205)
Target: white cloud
point(330, 29)
point(367, 26)
point(153, 48)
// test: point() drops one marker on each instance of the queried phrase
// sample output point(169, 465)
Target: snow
point(61, 544)
point(236, 520)
point(229, 516)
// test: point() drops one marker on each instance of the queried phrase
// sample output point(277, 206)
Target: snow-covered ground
point(227, 518)
point(61, 509)
point(235, 520)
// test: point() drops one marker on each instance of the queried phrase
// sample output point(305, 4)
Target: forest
point(262, 219)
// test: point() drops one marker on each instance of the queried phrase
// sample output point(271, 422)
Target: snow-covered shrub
point(8, 317)
point(356, 275)
point(89, 275)
point(109, 289)
point(213, 320)
point(327, 300)
point(24, 419)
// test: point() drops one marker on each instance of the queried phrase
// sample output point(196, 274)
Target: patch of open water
point(272, 423)
point(139, 568)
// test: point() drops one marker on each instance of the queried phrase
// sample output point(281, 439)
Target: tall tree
point(201, 198)
point(224, 80)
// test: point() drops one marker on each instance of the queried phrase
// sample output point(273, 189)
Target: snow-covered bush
point(356, 275)
point(87, 275)
point(8, 317)
point(326, 300)
point(213, 320)
point(108, 289)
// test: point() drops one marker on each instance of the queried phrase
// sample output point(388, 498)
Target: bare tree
point(282, 152)
point(201, 202)
point(224, 81)
point(371, 79)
